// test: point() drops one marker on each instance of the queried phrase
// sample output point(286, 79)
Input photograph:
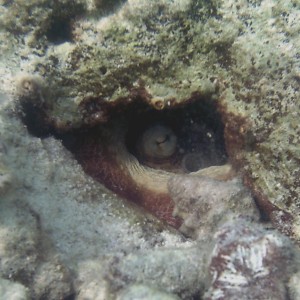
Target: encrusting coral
point(205, 203)
point(250, 262)
point(222, 76)
point(234, 53)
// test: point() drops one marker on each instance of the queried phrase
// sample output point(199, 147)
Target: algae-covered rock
point(141, 292)
point(261, 107)
point(241, 54)
point(71, 65)
point(54, 218)
point(15, 291)
point(147, 50)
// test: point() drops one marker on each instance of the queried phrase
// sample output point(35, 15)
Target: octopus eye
point(157, 142)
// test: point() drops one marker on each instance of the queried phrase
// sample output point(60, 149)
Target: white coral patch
point(247, 262)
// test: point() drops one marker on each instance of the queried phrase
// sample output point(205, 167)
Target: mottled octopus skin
point(104, 156)
point(110, 163)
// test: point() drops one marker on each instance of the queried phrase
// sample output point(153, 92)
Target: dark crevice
point(106, 7)
point(59, 31)
point(71, 297)
point(197, 127)
point(34, 117)
point(59, 27)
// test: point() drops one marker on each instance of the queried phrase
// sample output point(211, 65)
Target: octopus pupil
point(163, 140)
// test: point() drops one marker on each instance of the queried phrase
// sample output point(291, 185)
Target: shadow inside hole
point(199, 134)
point(59, 31)
point(197, 126)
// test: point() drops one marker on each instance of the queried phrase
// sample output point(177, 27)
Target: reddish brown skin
point(235, 129)
point(99, 164)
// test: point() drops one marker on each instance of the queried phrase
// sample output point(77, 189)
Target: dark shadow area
point(60, 24)
point(197, 126)
point(34, 117)
point(59, 31)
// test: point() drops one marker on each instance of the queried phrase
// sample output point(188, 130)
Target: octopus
point(135, 147)
point(173, 164)
point(137, 152)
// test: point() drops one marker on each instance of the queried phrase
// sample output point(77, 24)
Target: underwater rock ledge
point(245, 64)
point(72, 67)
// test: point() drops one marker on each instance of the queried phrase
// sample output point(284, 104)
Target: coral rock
point(141, 292)
point(166, 270)
point(204, 203)
point(12, 290)
point(249, 262)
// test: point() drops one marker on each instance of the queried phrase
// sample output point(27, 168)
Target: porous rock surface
point(257, 267)
point(58, 227)
point(141, 292)
point(244, 54)
point(11, 290)
point(205, 203)
point(60, 230)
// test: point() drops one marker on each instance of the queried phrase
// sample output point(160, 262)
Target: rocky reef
point(256, 267)
point(205, 203)
point(136, 136)
point(240, 55)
